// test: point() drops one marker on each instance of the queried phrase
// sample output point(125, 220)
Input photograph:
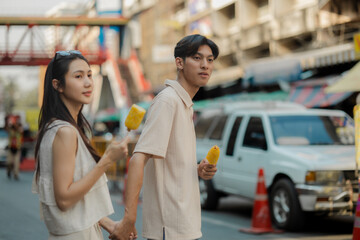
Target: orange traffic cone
point(261, 221)
point(356, 230)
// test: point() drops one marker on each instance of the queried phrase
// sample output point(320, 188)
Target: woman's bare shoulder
point(66, 132)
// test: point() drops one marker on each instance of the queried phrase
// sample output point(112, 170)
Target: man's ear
point(179, 63)
point(56, 85)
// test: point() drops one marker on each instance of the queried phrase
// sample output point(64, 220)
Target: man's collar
point(183, 94)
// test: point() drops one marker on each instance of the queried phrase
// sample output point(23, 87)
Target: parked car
point(308, 157)
point(3, 145)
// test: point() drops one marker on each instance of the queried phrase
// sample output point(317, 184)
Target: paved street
point(19, 217)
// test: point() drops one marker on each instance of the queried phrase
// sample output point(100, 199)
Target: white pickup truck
point(308, 157)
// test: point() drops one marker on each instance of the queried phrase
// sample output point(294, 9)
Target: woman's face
point(78, 88)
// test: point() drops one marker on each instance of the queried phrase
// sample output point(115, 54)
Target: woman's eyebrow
point(81, 71)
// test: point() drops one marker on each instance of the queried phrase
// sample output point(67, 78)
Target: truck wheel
point(285, 208)
point(209, 197)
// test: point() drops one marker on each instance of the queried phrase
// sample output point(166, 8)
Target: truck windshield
point(312, 130)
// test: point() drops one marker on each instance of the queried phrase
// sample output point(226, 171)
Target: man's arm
point(135, 175)
point(134, 183)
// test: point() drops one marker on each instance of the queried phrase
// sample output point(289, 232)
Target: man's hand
point(124, 230)
point(206, 170)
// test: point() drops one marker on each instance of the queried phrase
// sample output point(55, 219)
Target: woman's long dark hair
point(53, 107)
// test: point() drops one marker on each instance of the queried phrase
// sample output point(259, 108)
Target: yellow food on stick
point(213, 155)
point(134, 118)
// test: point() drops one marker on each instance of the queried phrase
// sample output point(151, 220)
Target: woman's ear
point(179, 63)
point(56, 85)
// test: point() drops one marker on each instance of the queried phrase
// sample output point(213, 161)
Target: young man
point(165, 155)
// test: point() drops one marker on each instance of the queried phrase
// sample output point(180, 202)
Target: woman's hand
point(124, 230)
point(108, 224)
point(115, 151)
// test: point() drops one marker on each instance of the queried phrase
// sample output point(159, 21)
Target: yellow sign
point(357, 45)
point(32, 116)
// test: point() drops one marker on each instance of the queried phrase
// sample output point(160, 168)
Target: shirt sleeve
point(155, 136)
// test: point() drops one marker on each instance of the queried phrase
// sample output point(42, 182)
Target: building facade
point(317, 33)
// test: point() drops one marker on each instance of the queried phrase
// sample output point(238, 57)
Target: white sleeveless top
point(95, 205)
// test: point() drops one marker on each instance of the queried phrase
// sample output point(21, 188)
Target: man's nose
point(204, 64)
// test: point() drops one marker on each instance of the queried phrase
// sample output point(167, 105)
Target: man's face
point(198, 68)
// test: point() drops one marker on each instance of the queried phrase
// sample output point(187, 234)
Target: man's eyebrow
point(203, 54)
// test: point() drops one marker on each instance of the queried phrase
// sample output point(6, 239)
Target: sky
point(26, 77)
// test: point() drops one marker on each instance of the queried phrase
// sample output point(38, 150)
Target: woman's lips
point(88, 94)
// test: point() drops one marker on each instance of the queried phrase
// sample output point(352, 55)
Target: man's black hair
point(189, 45)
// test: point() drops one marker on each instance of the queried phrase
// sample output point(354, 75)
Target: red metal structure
point(42, 56)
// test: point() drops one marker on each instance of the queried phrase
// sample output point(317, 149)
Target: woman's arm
point(108, 224)
point(67, 192)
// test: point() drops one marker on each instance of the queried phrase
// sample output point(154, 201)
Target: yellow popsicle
point(213, 155)
point(134, 118)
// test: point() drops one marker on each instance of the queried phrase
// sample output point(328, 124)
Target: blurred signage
point(198, 6)
point(357, 45)
point(163, 53)
point(109, 7)
point(202, 26)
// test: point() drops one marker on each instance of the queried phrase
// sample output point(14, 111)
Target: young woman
point(70, 177)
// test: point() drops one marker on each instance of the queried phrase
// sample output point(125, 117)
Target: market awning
point(271, 71)
point(349, 82)
point(256, 96)
point(312, 93)
point(328, 56)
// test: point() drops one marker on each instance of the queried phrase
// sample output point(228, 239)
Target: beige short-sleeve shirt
point(171, 198)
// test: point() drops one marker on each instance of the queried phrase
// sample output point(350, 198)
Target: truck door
point(230, 178)
point(251, 155)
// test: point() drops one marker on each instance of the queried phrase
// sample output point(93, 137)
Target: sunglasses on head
point(66, 53)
